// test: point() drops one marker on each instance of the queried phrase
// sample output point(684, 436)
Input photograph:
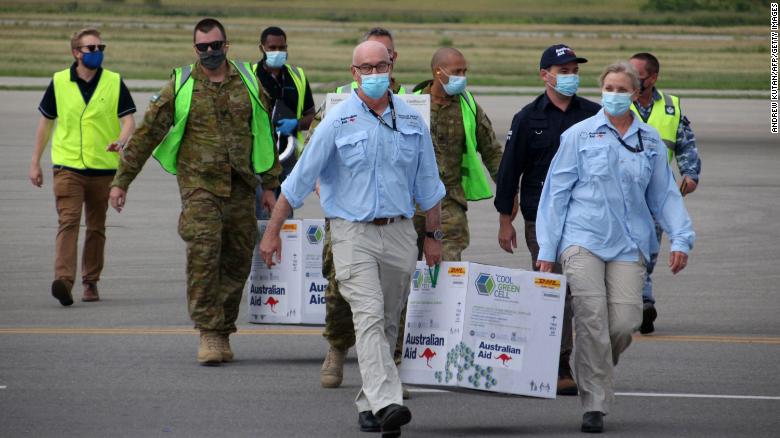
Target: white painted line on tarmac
point(645, 394)
point(3, 387)
point(673, 395)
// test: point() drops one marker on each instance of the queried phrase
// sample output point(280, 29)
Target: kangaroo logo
point(428, 354)
point(504, 359)
point(272, 302)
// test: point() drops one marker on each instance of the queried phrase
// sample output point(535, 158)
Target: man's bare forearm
point(279, 215)
point(433, 218)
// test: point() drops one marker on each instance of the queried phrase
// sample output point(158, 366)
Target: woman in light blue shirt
point(605, 184)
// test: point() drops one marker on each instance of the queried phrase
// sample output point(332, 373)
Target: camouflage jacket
point(216, 143)
point(449, 143)
point(685, 151)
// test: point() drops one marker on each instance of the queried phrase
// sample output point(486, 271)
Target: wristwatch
point(435, 235)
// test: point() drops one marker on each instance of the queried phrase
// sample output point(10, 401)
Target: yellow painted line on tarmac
point(146, 331)
point(316, 331)
point(716, 339)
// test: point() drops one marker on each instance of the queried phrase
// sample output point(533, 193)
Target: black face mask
point(212, 59)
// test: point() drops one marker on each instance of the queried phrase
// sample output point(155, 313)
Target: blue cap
point(559, 54)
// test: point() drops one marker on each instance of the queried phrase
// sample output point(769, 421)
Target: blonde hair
point(76, 38)
point(621, 67)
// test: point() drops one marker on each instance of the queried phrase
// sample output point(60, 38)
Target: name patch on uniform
point(345, 120)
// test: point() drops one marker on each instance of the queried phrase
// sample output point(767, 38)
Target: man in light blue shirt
point(374, 160)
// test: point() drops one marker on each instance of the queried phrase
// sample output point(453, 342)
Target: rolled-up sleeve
point(428, 188)
point(665, 202)
point(554, 203)
point(307, 170)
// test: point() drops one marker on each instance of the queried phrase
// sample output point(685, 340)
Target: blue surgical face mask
point(92, 60)
point(375, 86)
point(455, 86)
point(616, 104)
point(567, 85)
point(275, 59)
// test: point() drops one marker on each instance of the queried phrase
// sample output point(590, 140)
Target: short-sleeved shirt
point(368, 168)
point(48, 105)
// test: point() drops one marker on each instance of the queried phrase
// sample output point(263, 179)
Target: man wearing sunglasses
point(374, 159)
point(291, 100)
point(94, 114)
point(209, 126)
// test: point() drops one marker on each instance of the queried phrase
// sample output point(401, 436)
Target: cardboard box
point(484, 328)
point(293, 291)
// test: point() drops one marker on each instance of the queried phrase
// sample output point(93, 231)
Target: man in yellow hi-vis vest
point(662, 112)
point(94, 114)
point(291, 102)
point(210, 127)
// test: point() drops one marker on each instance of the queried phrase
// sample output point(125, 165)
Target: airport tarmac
point(125, 366)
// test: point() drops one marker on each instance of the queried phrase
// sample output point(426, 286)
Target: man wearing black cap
point(531, 144)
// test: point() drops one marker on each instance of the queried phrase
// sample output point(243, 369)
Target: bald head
point(446, 56)
point(370, 52)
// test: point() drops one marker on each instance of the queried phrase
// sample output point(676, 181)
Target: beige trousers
point(607, 307)
point(374, 266)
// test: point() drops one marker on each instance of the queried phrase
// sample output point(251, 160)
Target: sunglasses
point(94, 47)
point(215, 45)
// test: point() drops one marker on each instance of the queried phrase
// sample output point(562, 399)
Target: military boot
point(209, 350)
point(332, 371)
point(224, 348)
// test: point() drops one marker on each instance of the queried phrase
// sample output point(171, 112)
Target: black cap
point(559, 54)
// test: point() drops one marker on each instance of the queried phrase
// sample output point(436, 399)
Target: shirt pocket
point(595, 162)
point(646, 166)
point(406, 146)
point(352, 149)
point(539, 135)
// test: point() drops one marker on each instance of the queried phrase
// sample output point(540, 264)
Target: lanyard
point(639, 148)
point(392, 113)
point(434, 274)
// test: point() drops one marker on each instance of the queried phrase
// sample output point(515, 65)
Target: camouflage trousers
point(220, 234)
point(339, 330)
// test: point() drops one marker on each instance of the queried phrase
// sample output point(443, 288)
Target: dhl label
point(549, 283)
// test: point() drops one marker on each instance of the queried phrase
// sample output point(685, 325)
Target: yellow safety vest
point(299, 79)
point(475, 184)
point(665, 118)
point(167, 152)
point(84, 130)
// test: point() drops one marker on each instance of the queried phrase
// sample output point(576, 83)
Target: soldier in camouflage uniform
point(217, 181)
point(683, 148)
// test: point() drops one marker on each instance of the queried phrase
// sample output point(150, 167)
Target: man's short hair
point(377, 32)
point(75, 40)
point(206, 25)
point(272, 30)
point(651, 62)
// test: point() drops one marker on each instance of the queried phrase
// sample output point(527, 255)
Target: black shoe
point(368, 422)
point(391, 418)
point(648, 317)
point(592, 422)
point(60, 289)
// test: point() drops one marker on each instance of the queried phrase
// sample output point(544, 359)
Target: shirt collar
point(74, 76)
point(602, 120)
point(544, 102)
point(357, 101)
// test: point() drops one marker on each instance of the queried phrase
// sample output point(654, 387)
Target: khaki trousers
point(72, 192)
point(607, 306)
point(374, 266)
